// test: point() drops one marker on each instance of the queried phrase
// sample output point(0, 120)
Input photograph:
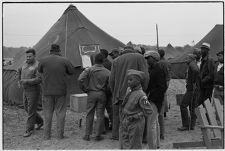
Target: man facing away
point(30, 81)
point(189, 99)
point(118, 81)
point(54, 69)
point(94, 81)
point(207, 71)
point(165, 65)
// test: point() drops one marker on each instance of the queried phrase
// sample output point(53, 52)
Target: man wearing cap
point(30, 80)
point(207, 69)
point(114, 53)
point(135, 108)
point(219, 78)
point(157, 84)
point(189, 99)
point(54, 69)
point(118, 81)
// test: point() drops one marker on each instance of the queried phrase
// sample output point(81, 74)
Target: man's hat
point(152, 54)
point(55, 47)
point(138, 74)
point(190, 57)
point(114, 50)
point(205, 45)
point(221, 52)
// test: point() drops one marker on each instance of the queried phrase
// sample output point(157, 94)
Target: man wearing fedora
point(207, 68)
point(54, 69)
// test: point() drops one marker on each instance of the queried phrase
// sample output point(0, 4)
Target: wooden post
point(157, 37)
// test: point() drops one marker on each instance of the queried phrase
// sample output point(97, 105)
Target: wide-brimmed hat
point(205, 45)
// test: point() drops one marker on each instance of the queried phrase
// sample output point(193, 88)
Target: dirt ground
point(15, 118)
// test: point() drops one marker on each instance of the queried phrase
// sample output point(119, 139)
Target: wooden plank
point(211, 126)
point(212, 118)
point(200, 112)
point(215, 144)
point(189, 144)
point(219, 110)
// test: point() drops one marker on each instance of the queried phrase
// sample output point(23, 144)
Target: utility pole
point(157, 37)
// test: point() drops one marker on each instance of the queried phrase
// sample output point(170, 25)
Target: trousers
point(188, 101)
point(153, 131)
point(219, 94)
point(96, 101)
point(116, 119)
point(131, 133)
point(30, 102)
point(51, 103)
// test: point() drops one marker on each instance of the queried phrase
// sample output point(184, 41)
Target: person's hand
point(23, 81)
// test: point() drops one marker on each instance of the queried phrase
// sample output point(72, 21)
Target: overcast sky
point(24, 24)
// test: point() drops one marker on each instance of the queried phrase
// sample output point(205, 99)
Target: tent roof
point(71, 30)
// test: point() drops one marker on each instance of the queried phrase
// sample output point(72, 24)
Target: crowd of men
point(131, 88)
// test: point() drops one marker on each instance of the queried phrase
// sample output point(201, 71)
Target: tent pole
point(157, 37)
point(66, 33)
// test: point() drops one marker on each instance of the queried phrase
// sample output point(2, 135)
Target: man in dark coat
point(219, 78)
point(207, 71)
point(54, 69)
point(118, 81)
point(157, 86)
point(189, 98)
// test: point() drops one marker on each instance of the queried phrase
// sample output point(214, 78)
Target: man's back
point(118, 78)
point(55, 70)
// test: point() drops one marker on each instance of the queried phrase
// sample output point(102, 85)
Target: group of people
point(205, 79)
point(131, 89)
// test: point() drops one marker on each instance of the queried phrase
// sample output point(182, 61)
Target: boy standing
point(94, 81)
point(134, 107)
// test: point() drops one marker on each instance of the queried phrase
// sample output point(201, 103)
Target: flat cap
point(136, 73)
point(114, 50)
point(152, 54)
point(205, 45)
point(55, 47)
point(190, 57)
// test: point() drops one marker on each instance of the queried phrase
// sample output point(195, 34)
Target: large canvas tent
point(71, 30)
point(216, 40)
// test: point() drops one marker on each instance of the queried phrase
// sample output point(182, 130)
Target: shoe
point(182, 128)
point(39, 126)
point(98, 138)
point(86, 138)
point(192, 128)
point(114, 138)
point(27, 133)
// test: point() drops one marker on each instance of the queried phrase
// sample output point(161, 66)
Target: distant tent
point(71, 30)
point(215, 38)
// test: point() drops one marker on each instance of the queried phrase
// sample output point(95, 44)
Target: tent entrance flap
point(87, 51)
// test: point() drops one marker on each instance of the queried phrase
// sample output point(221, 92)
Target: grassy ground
point(15, 118)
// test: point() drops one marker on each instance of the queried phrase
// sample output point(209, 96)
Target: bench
point(210, 117)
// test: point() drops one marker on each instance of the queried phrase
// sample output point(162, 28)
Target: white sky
point(24, 24)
